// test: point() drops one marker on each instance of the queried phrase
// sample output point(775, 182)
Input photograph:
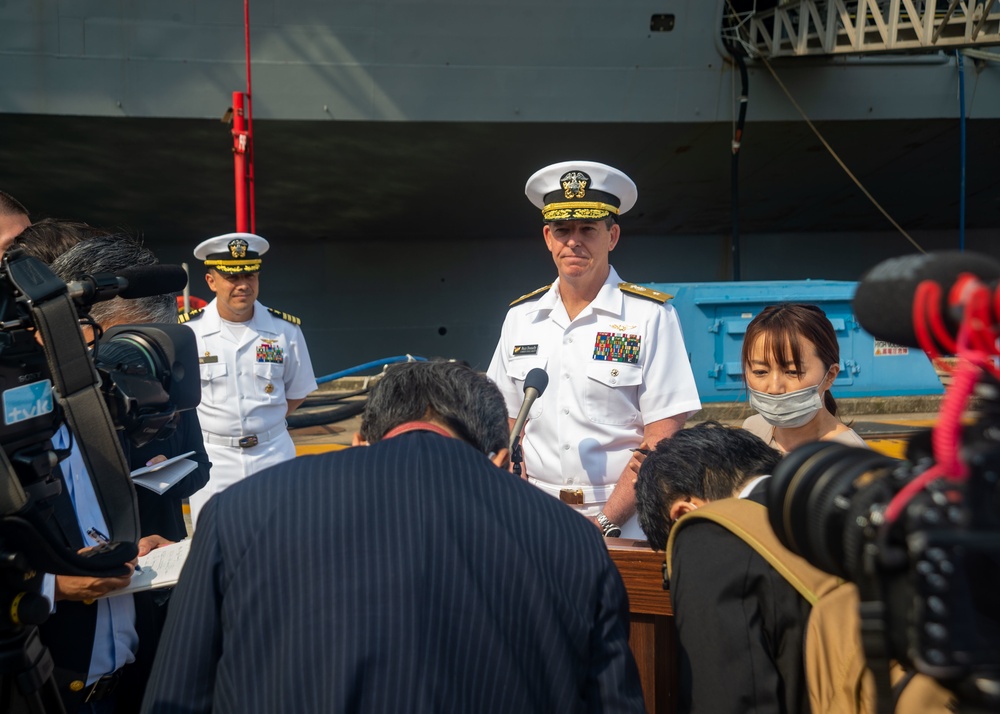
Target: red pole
point(240, 161)
point(250, 171)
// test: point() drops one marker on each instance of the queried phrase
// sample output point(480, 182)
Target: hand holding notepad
point(159, 477)
point(159, 568)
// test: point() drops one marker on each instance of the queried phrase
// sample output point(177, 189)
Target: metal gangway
point(832, 27)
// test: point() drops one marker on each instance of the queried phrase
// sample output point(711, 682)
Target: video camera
point(134, 381)
point(920, 538)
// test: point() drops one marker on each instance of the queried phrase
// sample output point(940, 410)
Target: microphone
point(136, 282)
point(534, 384)
point(884, 299)
point(149, 280)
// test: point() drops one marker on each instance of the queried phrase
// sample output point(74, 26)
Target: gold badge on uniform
point(269, 388)
point(209, 358)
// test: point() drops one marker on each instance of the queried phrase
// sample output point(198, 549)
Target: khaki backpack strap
point(747, 520)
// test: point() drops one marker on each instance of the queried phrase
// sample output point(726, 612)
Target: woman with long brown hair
point(790, 360)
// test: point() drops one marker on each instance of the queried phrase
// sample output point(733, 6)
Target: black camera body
point(144, 375)
point(933, 573)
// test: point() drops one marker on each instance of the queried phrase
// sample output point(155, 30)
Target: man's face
point(236, 293)
point(11, 225)
point(580, 248)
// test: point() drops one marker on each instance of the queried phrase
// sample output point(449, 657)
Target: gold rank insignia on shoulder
point(643, 292)
point(193, 315)
point(284, 316)
point(533, 294)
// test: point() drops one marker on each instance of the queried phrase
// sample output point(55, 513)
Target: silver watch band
point(610, 529)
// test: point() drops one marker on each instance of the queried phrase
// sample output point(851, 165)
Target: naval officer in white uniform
point(619, 374)
point(255, 367)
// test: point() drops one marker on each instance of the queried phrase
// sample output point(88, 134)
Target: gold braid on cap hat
point(564, 211)
point(234, 266)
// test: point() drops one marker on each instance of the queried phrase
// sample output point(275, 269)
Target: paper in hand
point(159, 568)
point(159, 477)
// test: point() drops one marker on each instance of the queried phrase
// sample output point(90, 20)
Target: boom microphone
point(884, 300)
point(140, 281)
point(534, 384)
point(149, 280)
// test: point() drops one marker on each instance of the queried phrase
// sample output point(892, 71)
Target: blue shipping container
point(714, 317)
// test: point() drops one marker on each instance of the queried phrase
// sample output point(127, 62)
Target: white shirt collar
point(748, 489)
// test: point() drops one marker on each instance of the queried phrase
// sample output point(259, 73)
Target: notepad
point(160, 568)
point(162, 476)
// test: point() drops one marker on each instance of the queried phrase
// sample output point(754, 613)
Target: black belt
point(102, 687)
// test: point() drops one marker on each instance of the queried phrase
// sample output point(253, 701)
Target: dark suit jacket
point(411, 575)
point(162, 514)
point(69, 631)
point(740, 625)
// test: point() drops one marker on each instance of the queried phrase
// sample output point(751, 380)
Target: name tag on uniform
point(208, 359)
point(526, 349)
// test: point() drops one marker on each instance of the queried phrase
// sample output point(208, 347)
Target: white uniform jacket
point(619, 365)
point(245, 388)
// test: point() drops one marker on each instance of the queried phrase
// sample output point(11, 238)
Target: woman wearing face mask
point(790, 359)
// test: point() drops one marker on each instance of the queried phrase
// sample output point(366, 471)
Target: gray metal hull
point(393, 140)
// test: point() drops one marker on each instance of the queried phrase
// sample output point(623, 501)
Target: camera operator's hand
point(152, 542)
point(81, 587)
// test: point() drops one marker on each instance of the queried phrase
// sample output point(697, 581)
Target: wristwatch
point(610, 529)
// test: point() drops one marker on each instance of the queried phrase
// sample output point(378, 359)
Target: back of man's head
point(11, 206)
point(113, 254)
point(447, 392)
point(708, 461)
point(49, 238)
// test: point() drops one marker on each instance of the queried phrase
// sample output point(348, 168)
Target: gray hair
point(450, 392)
point(113, 254)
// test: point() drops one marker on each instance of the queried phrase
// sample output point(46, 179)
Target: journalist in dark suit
point(740, 624)
point(409, 575)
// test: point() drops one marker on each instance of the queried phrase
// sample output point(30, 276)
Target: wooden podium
point(652, 635)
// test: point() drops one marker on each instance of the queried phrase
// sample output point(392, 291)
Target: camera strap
point(12, 495)
point(76, 385)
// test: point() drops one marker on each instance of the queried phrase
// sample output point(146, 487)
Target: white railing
point(829, 27)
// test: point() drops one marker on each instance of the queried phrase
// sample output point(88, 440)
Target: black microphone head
point(883, 302)
point(536, 379)
point(147, 280)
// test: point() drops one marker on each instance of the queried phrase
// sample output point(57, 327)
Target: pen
point(103, 540)
point(98, 536)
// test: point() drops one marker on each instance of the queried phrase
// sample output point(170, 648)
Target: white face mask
point(789, 410)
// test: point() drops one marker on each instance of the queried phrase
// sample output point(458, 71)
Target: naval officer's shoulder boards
point(193, 315)
point(284, 316)
point(643, 292)
point(533, 295)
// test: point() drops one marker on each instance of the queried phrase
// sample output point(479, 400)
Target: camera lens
point(810, 498)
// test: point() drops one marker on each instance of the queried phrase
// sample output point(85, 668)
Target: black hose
point(317, 417)
point(320, 399)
